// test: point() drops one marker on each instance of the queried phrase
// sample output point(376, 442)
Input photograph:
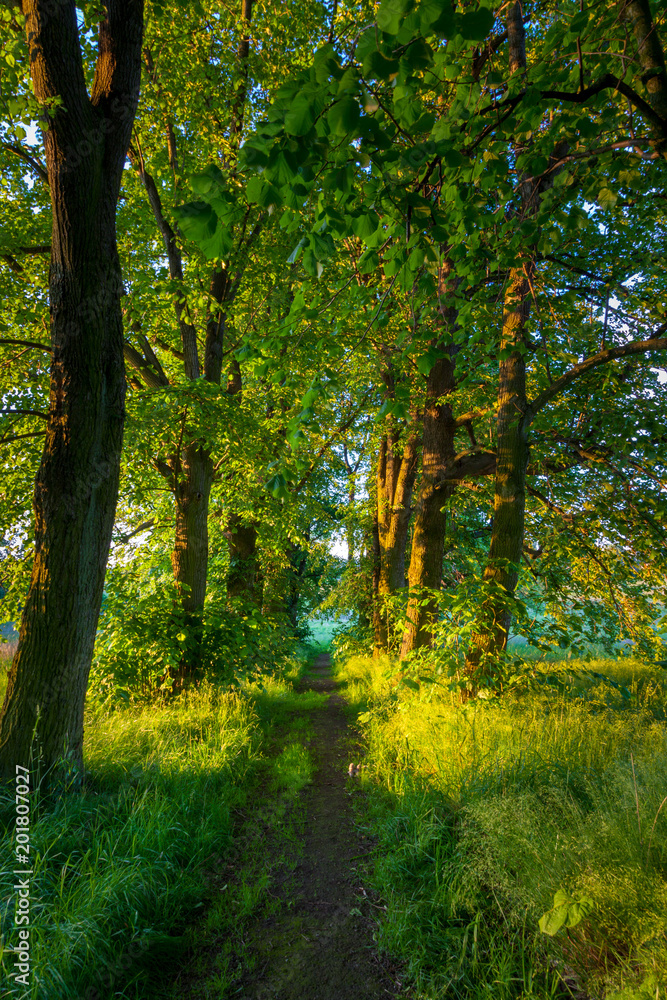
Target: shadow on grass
point(485, 811)
point(124, 869)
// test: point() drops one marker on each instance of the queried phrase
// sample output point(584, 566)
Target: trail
point(319, 945)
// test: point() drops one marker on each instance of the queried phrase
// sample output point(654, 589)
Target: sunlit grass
point(7, 650)
point(486, 810)
point(120, 867)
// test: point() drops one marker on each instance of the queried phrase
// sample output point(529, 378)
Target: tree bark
point(652, 62)
point(438, 452)
point(501, 571)
point(243, 579)
point(502, 568)
point(396, 472)
point(428, 539)
point(86, 139)
point(189, 558)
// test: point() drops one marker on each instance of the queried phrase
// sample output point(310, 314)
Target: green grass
point(485, 811)
point(7, 651)
point(321, 632)
point(126, 872)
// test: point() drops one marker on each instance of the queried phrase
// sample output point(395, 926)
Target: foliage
point(140, 644)
point(488, 811)
point(124, 867)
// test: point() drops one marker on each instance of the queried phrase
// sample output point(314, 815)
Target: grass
point(127, 873)
point(7, 650)
point(322, 631)
point(485, 812)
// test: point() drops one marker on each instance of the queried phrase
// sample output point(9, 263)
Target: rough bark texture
point(438, 455)
point(428, 539)
point(77, 483)
point(243, 579)
point(396, 472)
point(652, 61)
point(501, 571)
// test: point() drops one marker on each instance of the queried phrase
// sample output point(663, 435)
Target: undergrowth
point(486, 811)
point(126, 871)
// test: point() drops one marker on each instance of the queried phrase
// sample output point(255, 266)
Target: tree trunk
point(243, 579)
point(192, 492)
point(189, 558)
point(652, 62)
point(395, 481)
point(376, 557)
point(428, 539)
point(438, 450)
point(502, 569)
point(85, 140)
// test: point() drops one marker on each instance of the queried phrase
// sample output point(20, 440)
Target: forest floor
point(315, 938)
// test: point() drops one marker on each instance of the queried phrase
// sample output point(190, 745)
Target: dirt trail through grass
point(319, 944)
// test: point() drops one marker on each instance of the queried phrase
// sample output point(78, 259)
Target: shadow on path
point(320, 945)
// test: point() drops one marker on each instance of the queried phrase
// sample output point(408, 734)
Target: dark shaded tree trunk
point(244, 578)
point(428, 538)
point(396, 472)
point(376, 560)
point(85, 140)
point(438, 453)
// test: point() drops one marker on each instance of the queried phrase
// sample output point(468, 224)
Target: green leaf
point(475, 25)
point(282, 168)
point(425, 364)
point(390, 14)
point(566, 912)
point(368, 262)
point(301, 116)
point(436, 16)
point(378, 67)
point(277, 486)
point(366, 226)
point(419, 55)
point(344, 115)
point(197, 220)
point(607, 198)
point(211, 179)
point(296, 252)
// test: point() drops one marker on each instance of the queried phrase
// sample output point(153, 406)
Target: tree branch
point(25, 413)
point(25, 343)
point(154, 379)
point(654, 343)
point(18, 437)
point(144, 526)
point(607, 82)
point(35, 165)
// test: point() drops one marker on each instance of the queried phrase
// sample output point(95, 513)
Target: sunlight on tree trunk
point(77, 483)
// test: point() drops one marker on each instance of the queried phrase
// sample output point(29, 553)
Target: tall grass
point(119, 866)
point(486, 810)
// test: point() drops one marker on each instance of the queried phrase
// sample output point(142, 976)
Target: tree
point(86, 137)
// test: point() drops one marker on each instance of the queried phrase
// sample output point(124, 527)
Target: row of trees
point(397, 270)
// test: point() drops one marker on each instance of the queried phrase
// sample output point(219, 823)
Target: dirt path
point(319, 946)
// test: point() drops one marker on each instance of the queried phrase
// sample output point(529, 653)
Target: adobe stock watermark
point(20, 973)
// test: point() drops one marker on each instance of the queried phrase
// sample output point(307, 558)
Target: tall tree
point(438, 452)
point(86, 136)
